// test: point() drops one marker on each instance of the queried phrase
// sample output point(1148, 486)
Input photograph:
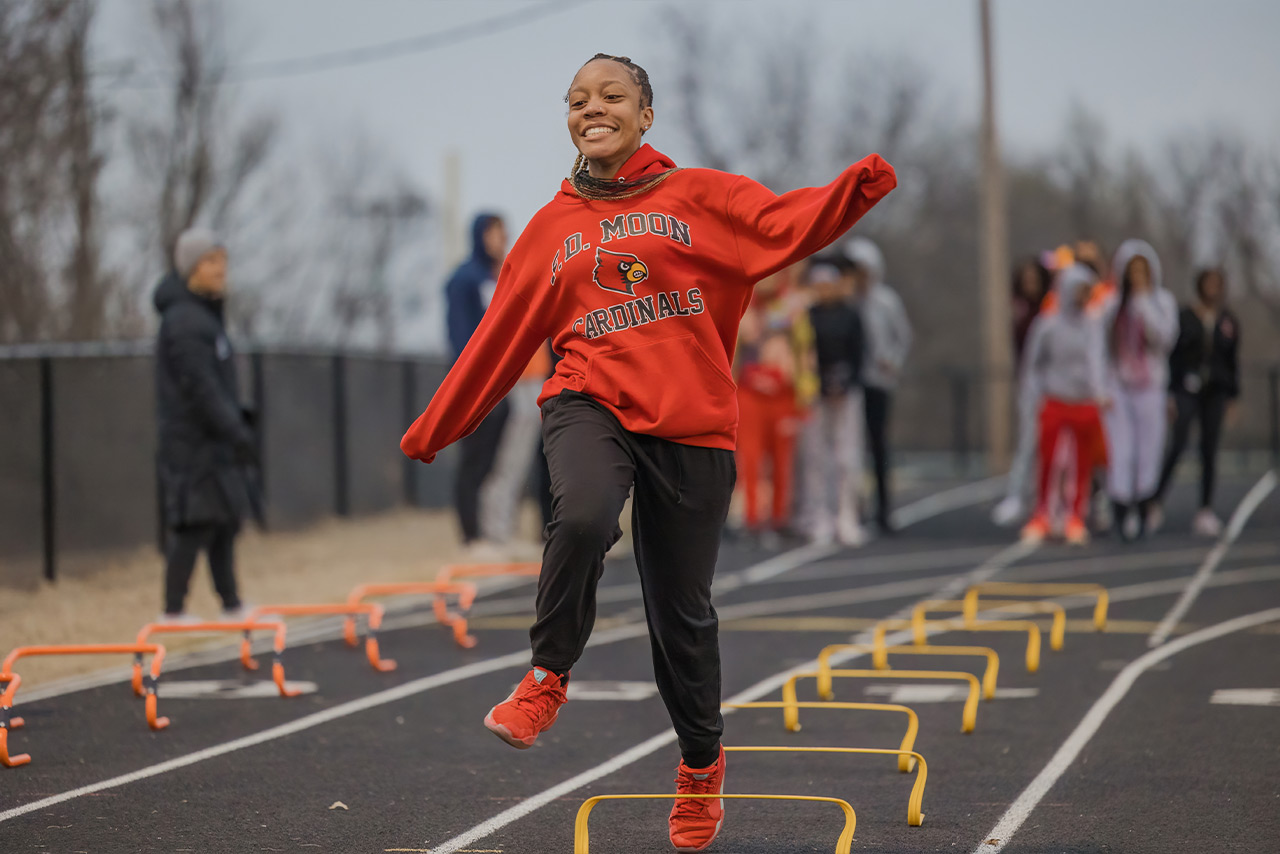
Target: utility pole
point(993, 267)
point(455, 246)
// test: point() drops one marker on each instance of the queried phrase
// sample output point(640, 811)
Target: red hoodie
point(643, 297)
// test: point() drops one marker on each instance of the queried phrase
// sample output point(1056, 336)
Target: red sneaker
point(1076, 533)
point(531, 709)
point(695, 822)
point(1034, 532)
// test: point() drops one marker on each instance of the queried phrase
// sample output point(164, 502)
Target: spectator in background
point(775, 385)
point(468, 292)
point(205, 439)
point(1141, 324)
point(888, 336)
point(1063, 367)
point(1031, 282)
point(1089, 253)
point(1204, 384)
point(833, 439)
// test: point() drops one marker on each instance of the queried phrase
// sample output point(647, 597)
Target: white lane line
point(755, 692)
point(325, 629)
point(418, 686)
point(775, 566)
point(938, 503)
point(322, 629)
point(342, 710)
point(1246, 697)
point(999, 836)
point(1247, 506)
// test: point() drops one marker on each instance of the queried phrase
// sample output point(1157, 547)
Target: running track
point(1112, 746)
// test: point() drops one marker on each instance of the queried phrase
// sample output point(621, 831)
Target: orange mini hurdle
point(246, 659)
point(466, 594)
point(8, 721)
point(529, 569)
point(373, 620)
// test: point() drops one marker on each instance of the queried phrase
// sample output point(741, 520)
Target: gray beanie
point(193, 244)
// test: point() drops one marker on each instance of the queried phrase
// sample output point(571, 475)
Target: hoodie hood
point(864, 253)
point(171, 290)
point(478, 227)
point(1129, 250)
point(645, 162)
point(1068, 284)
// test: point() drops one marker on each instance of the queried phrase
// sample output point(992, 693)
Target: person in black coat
point(1204, 383)
point(206, 443)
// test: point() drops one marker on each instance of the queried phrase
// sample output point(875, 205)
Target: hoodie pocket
point(669, 388)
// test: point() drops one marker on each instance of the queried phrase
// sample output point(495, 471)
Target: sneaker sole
point(505, 734)
point(704, 846)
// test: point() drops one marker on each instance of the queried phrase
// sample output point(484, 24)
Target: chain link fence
point(78, 440)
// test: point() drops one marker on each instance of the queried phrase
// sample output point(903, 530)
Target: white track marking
point(938, 503)
point(999, 836)
point(1246, 697)
point(773, 683)
point(1247, 506)
point(755, 692)
point(325, 629)
point(408, 689)
point(342, 710)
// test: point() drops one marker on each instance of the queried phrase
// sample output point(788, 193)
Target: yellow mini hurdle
point(919, 628)
point(880, 661)
point(915, 815)
point(1013, 588)
point(1057, 630)
point(581, 838)
point(905, 762)
point(968, 719)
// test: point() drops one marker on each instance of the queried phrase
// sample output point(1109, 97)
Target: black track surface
point(1167, 771)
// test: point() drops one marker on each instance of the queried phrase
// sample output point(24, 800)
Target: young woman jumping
point(639, 273)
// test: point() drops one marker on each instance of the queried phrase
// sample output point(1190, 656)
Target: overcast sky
point(1147, 67)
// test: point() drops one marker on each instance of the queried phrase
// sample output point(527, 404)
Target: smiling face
point(607, 115)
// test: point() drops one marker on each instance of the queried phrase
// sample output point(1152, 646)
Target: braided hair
point(596, 189)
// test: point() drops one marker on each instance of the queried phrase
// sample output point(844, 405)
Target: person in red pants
point(1063, 365)
point(775, 382)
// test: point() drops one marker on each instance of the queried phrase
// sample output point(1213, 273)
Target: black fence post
point(49, 497)
point(409, 412)
point(341, 498)
point(960, 420)
point(1273, 376)
point(257, 370)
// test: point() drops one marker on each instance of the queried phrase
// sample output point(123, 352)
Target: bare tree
point(51, 279)
point(198, 155)
point(1083, 167)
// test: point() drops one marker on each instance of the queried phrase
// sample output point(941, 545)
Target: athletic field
point(1113, 745)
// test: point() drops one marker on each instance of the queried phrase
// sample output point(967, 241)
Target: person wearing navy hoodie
point(468, 292)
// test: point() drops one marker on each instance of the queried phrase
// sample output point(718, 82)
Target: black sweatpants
point(182, 547)
point(679, 508)
point(1208, 407)
point(479, 450)
point(876, 402)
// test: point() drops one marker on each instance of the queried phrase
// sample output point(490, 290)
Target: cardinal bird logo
point(619, 272)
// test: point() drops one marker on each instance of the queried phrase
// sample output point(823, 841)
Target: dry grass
point(319, 564)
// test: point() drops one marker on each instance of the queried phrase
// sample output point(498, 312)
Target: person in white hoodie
point(1141, 325)
point(888, 340)
point(1063, 369)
